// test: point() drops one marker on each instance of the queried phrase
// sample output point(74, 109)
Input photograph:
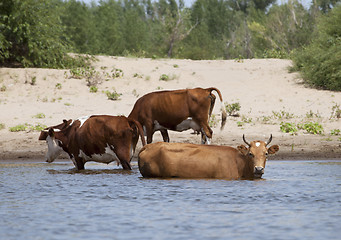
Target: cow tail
point(222, 108)
point(140, 130)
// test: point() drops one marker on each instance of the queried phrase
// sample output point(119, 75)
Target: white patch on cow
point(53, 149)
point(107, 157)
point(82, 120)
point(183, 126)
point(257, 144)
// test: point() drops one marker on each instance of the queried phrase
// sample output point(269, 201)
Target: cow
point(177, 110)
point(99, 138)
point(185, 160)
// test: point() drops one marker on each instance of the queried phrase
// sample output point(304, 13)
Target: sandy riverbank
point(265, 90)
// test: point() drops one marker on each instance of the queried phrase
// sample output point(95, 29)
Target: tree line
point(41, 32)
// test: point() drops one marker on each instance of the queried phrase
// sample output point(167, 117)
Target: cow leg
point(79, 163)
point(149, 132)
point(206, 136)
point(165, 135)
point(124, 157)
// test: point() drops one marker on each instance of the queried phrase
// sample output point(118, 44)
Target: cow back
point(190, 161)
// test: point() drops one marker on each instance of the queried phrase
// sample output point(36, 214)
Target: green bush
point(232, 109)
point(311, 127)
point(288, 128)
point(32, 35)
point(113, 95)
point(319, 63)
point(19, 128)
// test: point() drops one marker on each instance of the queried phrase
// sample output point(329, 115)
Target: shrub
point(213, 122)
point(164, 77)
point(19, 128)
point(39, 115)
point(311, 127)
point(31, 35)
point(232, 109)
point(58, 86)
point(319, 63)
point(93, 89)
point(335, 132)
point(336, 111)
point(289, 128)
point(113, 95)
point(282, 115)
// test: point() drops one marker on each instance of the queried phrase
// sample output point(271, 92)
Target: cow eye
point(266, 153)
point(250, 154)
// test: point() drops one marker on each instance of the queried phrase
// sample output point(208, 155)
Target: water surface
point(294, 200)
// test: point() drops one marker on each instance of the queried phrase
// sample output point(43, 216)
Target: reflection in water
point(294, 200)
point(90, 171)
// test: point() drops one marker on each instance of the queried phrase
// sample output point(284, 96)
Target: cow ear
point(64, 121)
point(51, 132)
point(273, 149)
point(242, 149)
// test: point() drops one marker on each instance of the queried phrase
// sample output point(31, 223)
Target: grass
point(39, 115)
point(24, 127)
point(113, 95)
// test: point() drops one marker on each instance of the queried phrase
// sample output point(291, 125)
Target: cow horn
point(269, 141)
point(246, 141)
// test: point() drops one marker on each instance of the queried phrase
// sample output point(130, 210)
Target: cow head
point(257, 153)
point(48, 134)
point(54, 146)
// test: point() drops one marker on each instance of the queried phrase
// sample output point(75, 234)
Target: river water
point(294, 200)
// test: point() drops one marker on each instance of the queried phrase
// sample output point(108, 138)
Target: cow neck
point(65, 136)
point(248, 167)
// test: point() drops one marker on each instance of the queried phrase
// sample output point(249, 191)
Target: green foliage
point(24, 127)
point(311, 127)
point(164, 77)
point(319, 63)
point(288, 128)
point(93, 89)
point(39, 115)
point(335, 132)
point(32, 34)
point(19, 128)
point(282, 115)
point(41, 33)
point(336, 111)
point(113, 95)
point(232, 109)
point(58, 86)
point(213, 122)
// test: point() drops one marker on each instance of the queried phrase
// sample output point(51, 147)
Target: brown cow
point(184, 160)
point(177, 110)
point(99, 138)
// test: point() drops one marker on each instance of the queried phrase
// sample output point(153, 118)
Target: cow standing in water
point(177, 110)
point(184, 160)
point(99, 138)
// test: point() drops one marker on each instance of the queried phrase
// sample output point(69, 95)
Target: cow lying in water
point(177, 110)
point(184, 160)
point(100, 138)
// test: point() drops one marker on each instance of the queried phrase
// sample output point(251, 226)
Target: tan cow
point(99, 138)
point(184, 160)
point(177, 110)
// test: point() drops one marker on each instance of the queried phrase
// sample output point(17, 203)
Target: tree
point(319, 63)
point(32, 34)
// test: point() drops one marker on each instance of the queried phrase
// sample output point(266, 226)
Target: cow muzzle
point(258, 172)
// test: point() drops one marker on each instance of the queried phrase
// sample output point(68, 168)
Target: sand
point(267, 93)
